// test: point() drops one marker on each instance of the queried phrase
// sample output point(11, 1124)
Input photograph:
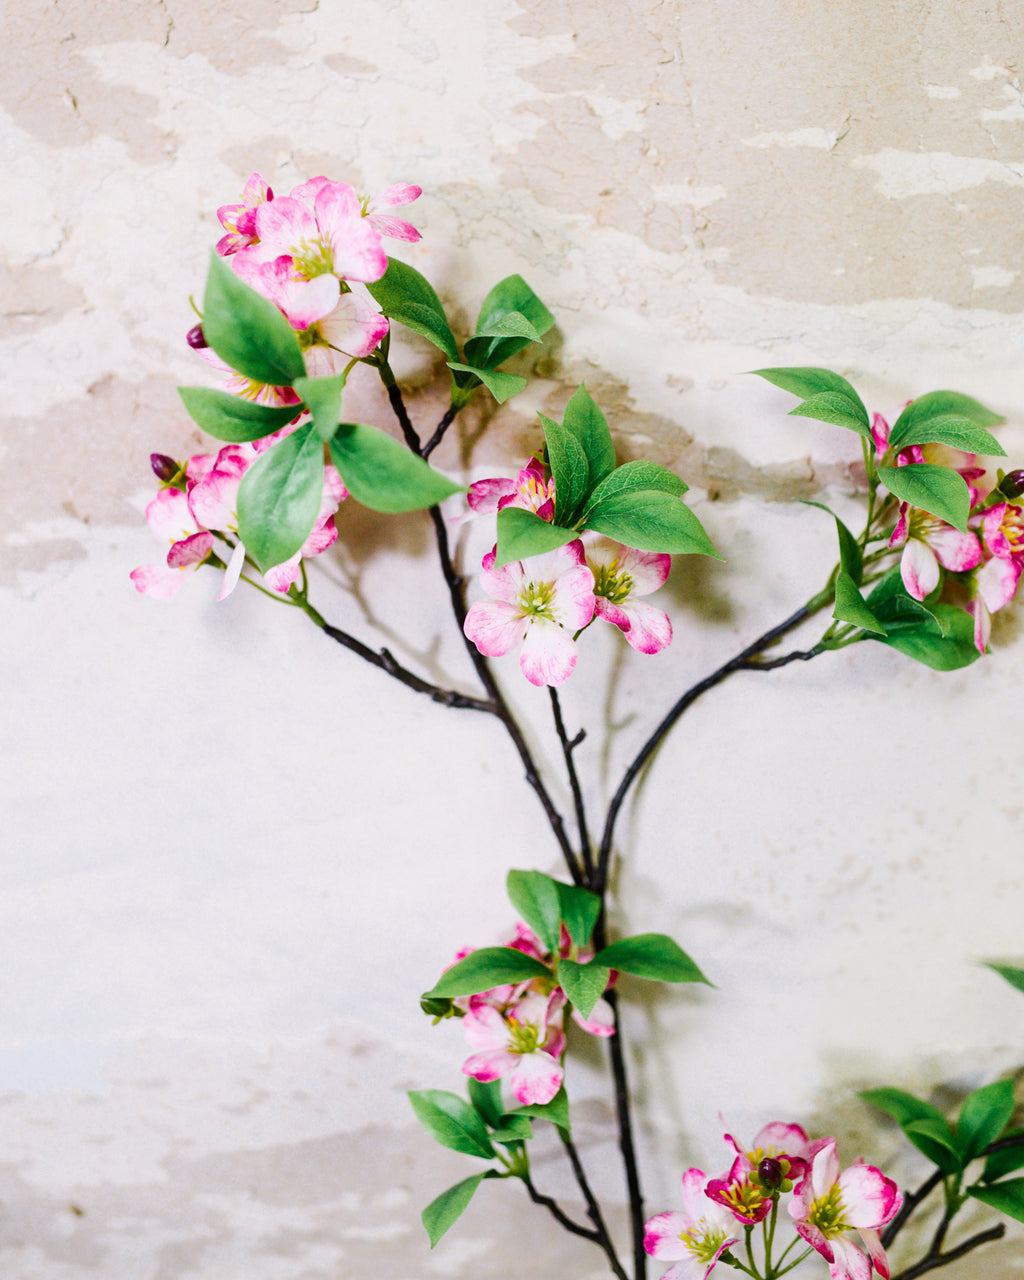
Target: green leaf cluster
point(637, 504)
point(983, 1120)
point(279, 497)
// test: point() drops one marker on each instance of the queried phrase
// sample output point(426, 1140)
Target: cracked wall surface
point(230, 850)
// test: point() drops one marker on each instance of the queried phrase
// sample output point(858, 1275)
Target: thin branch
point(439, 433)
point(568, 747)
point(930, 1261)
point(742, 661)
point(557, 1212)
point(593, 1208)
point(910, 1202)
point(622, 1110)
point(398, 405)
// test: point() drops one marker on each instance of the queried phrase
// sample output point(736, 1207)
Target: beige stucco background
point(233, 856)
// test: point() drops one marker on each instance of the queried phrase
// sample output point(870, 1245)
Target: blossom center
point(311, 258)
point(611, 582)
point(827, 1214)
point(536, 599)
point(745, 1198)
point(702, 1240)
point(523, 1037)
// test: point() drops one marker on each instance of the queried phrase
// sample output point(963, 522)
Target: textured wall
point(229, 849)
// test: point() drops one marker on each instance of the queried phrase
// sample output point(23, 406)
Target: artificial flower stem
point(568, 747)
point(439, 431)
point(593, 1208)
point(559, 1214)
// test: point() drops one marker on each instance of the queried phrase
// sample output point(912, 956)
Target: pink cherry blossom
point(828, 1204)
point(994, 583)
point(529, 490)
point(694, 1239)
point(745, 1190)
point(929, 542)
point(169, 517)
point(620, 575)
point(389, 198)
point(239, 220)
point(538, 603)
point(518, 1042)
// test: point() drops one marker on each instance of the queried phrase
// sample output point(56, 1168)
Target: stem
point(558, 1213)
point(741, 662)
point(617, 1055)
point(930, 1261)
point(586, 851)
point(439, 432)
point(593, 1208)
point(910, 1202)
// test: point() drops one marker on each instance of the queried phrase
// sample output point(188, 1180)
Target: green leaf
point(569, 470)
point(651, 955)
point(590, 427)
point(580, 909)
point(535, 896)
point(556, 1111)
point(323, 395)
point(840, 410)
point(634, 477)
point(486, 1100)
point(449, 1206)
point(522, 534)
point(984, 1115)
point(850, 557)
point(231, 418)
point(383, 474)
point(406, 296)
point(651, 520)
point(938, 490)
point(584, 984)
point(510, 295)
point(903, 1106)
point(944, 643)
point(941, 404)
point(247, 331)
point(894, 606)
point(486, 968)
point(279, 497)
point(809, 382)
point(1014, 976)
point(850, 606)
point(1005, 1197)
point(1009, 1160)
point(501, 385)
point(933, 1138)
point(513, 324)
point(512, 1128)
point(958, 433)
point(452, 1122)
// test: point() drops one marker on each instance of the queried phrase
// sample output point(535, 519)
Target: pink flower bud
point(195, 338)
point(164, 468)
point(1012, 484)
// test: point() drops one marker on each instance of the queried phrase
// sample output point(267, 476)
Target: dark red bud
point(770, 1173)
point(1012, 484)
point(195, 338)
point(164, 468)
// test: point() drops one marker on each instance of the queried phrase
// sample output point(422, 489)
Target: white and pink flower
point(829, 1203)
point(777, 1156)
point(390, 198)
point(695, 1239)
point(929, 543)
point(530, 490)
point(539, 603)
point(621, 574)
point(994, 583)
point(239, 220)
point(170, 518)
point(520, 1042)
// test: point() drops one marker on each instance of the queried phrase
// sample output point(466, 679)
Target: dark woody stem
point(568, 747)
point(593, 1208)
point(439, 432)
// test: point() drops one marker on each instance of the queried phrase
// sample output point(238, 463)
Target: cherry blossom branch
point(910, 1202)
point(593, 1208)
point(559, 1214)
point(439, 431)
point(617, 1054)
point(568, 747)
point(931, 1260)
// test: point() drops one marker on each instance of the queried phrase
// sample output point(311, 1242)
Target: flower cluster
point(544, 602)
point(827, 1204)
point(305, 251)
point(197, 509)
point(986, 558)
point(516, 1030)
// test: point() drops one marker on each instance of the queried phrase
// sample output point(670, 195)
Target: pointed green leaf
point(323, 395)
point(522, 534)
point(580, 909)
point(984, 1115)
point(513, 1129)
point(452, 1122)
point(933, 1138)
point(247, 331)
point(556, 1111)
point(569, 470)
point(850, 557)
point(850, 606)
point(941, 404)
point(485, 968)
point(449, 1206)
point(1005, 1197)
point(231, 418)
point(486, 1100)
point(513, 324)
point(584, 984)
point(651, 955)
point(840, 410)
point(383, 474)
point(945, 642)
point(279, 497)
point(809, 382)
point(510, 295)
point(535, 896)
point(408, 297)
point(501, 385)
point(893, 605)
point(651, 520)
point(958, 433)
point(938, 490)
point(902, 1106)
point(634, 477)
point(590, 427)
point(1013, 975)
point(1009, 1160)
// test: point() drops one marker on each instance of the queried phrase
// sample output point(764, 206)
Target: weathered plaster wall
point(230, 850)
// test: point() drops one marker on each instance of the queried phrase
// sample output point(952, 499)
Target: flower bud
point(1012, 484)
point(195, 338)
point(164, 468)
point(437, 1007)
point(770, 1174)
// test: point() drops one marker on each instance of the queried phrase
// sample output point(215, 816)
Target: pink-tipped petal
point(548, 655)
point(919, 569)
point(494, 626)
point(536, 1078)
